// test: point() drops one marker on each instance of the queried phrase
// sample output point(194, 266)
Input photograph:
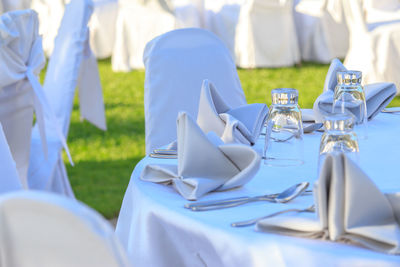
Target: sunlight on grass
point(104, 160)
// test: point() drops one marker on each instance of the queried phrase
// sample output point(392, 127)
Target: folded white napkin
point(234, 125)
point(350, 208)
point(205, 163)
point(377, 95)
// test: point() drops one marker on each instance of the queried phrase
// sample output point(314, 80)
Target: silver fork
point(254, 221)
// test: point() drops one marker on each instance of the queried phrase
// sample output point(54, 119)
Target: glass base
point(275, 162)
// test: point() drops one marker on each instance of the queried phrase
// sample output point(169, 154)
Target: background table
point(157, 231)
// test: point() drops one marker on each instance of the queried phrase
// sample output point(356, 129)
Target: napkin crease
point(350, 209)
point(377, 95)
point(205, 163)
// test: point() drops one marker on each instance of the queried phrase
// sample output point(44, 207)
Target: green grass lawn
point(104, 160)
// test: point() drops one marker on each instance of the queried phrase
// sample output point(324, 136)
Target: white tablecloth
point(157, 231)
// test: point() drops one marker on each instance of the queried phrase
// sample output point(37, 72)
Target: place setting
point(223, 154)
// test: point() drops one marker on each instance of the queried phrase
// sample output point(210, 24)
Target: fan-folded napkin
point(377, 95)
point(234, 125)
point(205, 163)
point(350, 208)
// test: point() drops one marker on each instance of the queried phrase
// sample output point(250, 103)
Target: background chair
point(140, 21)
point(266, 35)
point(42, 229)
point(50, 14)
point(221, 17)
point(12, 5)
point(321, 30)
point(65, 65)
point(374, 47)
point(9, 179)
point(176, 65)
point(21, 60)
point(102, 27)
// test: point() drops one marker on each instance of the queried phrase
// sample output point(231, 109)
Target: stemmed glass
point(349, 97)
point(284, 136)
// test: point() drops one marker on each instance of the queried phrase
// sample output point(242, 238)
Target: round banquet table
point(157, 230)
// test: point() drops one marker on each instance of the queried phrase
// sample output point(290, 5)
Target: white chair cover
point(374, 47)
point(266, 35)
point(321, 30)
point(90, 93)
point(221, 17)
point(9, 179)
point(11, 5)
point(50, 14)
point(61, 79)
point(22, 58)
point(176, 65)
point(42, 229)
point(102, 27)
point(140, 21)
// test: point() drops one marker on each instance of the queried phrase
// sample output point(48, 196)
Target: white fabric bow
point(22, 60)
point(350, 208)
point(205, 164)
point(377, 95)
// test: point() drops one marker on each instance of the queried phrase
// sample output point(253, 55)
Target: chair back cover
point(42, 229)
point(21, 55)
point(12, 5)
point(59, 85)
point(50, 14)
point(355, 18)
point(176, 64)
point(266, 35)
point(9, 179)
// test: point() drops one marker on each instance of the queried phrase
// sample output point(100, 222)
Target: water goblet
point(339, 137)
point(284, 135)
point(349, 97)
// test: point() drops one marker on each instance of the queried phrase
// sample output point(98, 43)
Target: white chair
point(381, 10)
point(102, 27)
point(9, 179)
point(50, 14)
point(42, 229)
point(374, 47)
point(140, 21)
point(22, 58)
point(321, 30)
point(66, 65)
point(221, 17)
point(266, 35)
point(12, 5)
point(176, 65)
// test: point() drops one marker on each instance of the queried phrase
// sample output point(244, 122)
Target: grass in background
point(104, 161)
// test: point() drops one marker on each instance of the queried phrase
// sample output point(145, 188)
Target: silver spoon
point(312, 127)
point(163, 156)
point(283, 197)
point(254, 221)
point(391, 110)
